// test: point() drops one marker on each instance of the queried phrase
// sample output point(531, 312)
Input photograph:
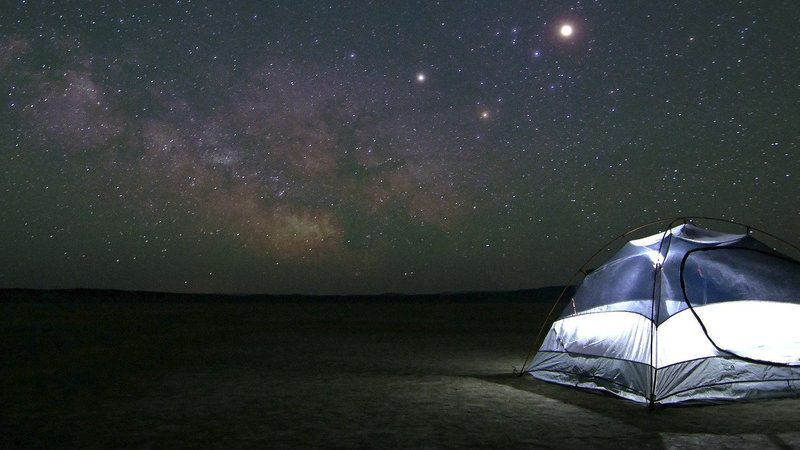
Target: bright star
point(566, 30)
point(421, 77)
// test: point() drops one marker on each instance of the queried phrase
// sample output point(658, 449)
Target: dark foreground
point(435, 375)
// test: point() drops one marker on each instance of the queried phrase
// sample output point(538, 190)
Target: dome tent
point(686, 314)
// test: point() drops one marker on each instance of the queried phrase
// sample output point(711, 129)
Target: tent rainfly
point(687, 314)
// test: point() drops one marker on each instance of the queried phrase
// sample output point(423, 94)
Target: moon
point(566, 30)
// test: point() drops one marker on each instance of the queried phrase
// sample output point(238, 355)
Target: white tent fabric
point(687, 314)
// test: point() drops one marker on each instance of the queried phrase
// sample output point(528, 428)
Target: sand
point(399, 375)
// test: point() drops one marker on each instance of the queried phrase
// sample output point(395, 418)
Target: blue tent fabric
point(687, 314)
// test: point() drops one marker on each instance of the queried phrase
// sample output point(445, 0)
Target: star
point(271, 170)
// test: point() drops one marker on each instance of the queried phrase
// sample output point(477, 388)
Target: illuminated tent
point(687, 314)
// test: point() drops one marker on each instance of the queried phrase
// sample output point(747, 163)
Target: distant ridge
point(544, 294)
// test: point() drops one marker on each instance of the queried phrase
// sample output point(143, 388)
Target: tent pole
point(663, 251)
point(547, 320)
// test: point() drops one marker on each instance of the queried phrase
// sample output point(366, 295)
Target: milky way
point(371, 148)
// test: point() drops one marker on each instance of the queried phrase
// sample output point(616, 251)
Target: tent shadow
point(769, 417)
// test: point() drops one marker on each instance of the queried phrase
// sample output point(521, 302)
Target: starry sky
point(369, 146)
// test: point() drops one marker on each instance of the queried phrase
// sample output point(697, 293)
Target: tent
point(686, 314)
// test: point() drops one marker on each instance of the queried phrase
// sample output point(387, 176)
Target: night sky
point(367, 147)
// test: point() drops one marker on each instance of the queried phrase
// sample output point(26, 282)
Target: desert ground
point(322, 375)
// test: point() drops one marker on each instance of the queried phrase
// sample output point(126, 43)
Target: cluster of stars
point(307, 148)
